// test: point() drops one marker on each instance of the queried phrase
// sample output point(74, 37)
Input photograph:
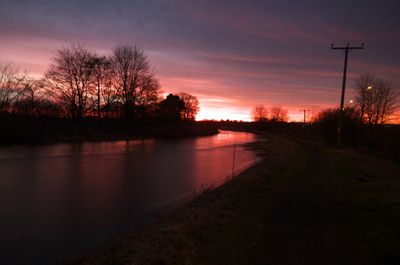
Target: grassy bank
point(304, 203)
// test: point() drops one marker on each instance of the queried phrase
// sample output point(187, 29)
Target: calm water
point(61, 200)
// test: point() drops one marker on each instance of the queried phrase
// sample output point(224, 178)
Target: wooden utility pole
point(304, 112)
point(346, 50)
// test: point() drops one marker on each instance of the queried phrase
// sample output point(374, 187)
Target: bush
point(327, 122)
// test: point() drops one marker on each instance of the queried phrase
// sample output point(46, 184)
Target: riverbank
point(20, 130)
point(304, 203)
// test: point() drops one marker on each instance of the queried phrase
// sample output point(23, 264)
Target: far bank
point(17, 130)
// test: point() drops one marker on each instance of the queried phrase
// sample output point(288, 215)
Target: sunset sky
point(232, 55)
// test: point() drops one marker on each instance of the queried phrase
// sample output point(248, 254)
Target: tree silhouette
point(148, 98)
point(171, 108)
point(31, 93)
point(70, 76)
point(191, 106)
point(259, 113)
point(376, 99)
point(10, 86)
point(327, 121)
point(278, 114)
point(361, 87)
point(80, 84)
point(101, 66)
point(133, 76)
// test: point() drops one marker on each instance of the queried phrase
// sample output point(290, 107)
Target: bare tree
point(101, 66)
point(191, 106)
point(134, 76)
point(376, 99)
point(386, 102)
point(259, 113)
point(79, 83)
point(31, 93)
point(10, 86)
point(278, 114)
point(70, 76)
point(109, 94)
point(148, 97)
point(361, 88)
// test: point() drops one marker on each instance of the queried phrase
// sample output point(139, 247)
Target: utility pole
point(304, 112)
point(346, 50)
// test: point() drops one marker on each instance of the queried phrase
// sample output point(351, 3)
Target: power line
point(366, 18)
point(388, 16)
point(344, 21)
point(339, 30)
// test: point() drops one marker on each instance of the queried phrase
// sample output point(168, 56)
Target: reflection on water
point(59, 200)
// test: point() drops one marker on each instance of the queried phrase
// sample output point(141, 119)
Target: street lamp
point(349, 103)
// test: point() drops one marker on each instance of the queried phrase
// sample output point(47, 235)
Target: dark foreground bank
point(304, 203)
point(43, 130)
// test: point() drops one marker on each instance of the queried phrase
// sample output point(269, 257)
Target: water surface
point(64, 199)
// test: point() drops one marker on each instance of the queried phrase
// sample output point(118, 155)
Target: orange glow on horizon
point(240, 113)
point(210, 113)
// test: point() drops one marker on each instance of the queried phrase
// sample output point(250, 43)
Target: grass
point(304, 203)
point(369, 198)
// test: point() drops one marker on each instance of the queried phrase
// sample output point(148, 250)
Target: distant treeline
point(368, 119)
point(81, 84)
point(376, 103)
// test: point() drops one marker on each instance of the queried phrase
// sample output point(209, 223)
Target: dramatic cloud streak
point(231, 54)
